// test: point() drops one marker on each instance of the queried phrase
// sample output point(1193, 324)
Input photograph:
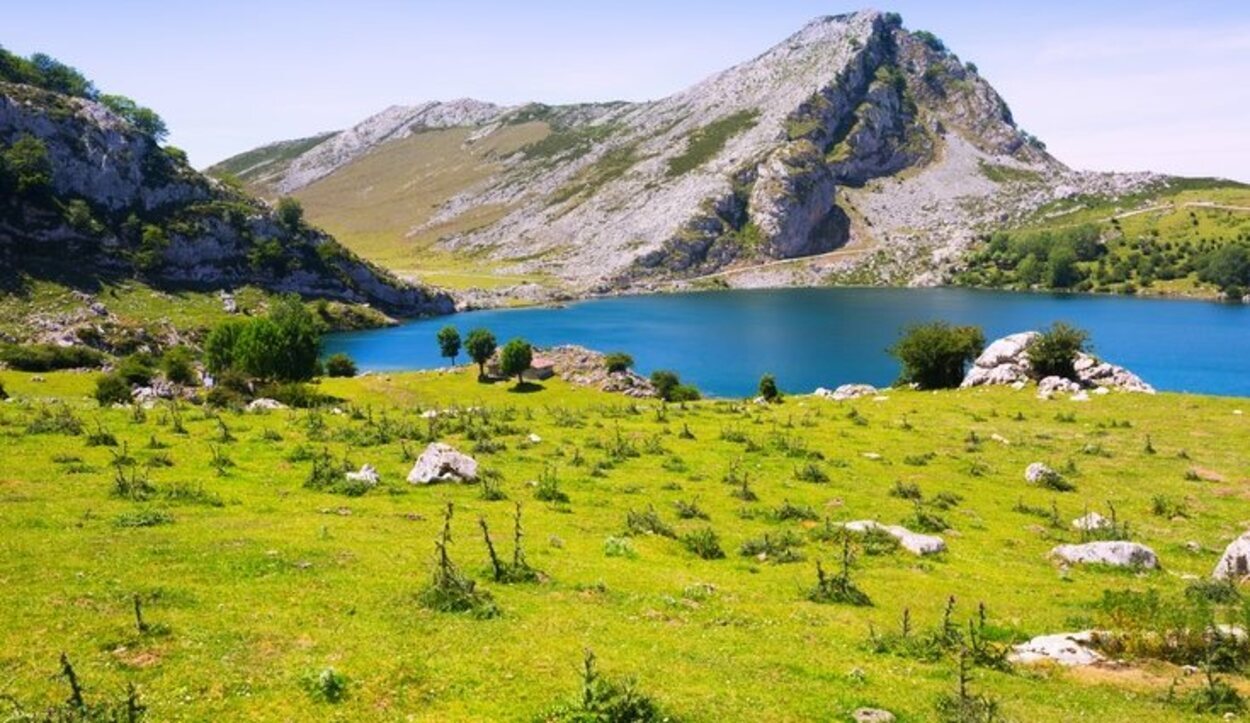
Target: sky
point(1107, 84)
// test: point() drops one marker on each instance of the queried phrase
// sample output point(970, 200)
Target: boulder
point(847, 392)
point(913, 542)
point(264, 404)
point(1235, 562)
point(1071, 649)
point(367, 474)
point(442, 463)
point(1116, 553)
point(1038, 473)
point(1053, 385)
point(1006, 362)
point(872, 715)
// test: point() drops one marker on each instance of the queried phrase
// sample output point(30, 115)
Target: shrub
point(4, 393)
point(934, 356)
point(329, 685)
point(838, 588)
point(144, 518)
point(1053, 353)
point(177, 366)
point(703, 542)
point(619, 547)
point(293, 394)
point(285, 346)
point(1228, 268)
point(290, 212)
point(768, 388)
point(112, 389)
point(618, 361)
point(219, 346)
point(450, 590)
point(606, 700)
point(669, 387)
point(49, 357)
point(647, 522)
point(340, 365)
point(136, 369)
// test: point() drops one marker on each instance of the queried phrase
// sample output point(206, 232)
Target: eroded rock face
point(1069, 649)
point(1235, 562)
point(1115, 553)
point(586, 367)
point(442, 463)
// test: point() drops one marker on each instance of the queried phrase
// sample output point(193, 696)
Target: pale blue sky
point(1110, 85)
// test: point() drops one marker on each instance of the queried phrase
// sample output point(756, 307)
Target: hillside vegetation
point(680, 543)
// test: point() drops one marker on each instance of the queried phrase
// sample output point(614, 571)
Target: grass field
point(252, 585)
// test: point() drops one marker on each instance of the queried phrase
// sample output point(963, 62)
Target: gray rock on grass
point(442, 463)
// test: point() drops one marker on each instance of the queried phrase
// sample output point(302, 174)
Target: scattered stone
point(872, 715)
point(1072, 649)
point(846, 392)
point(228, 303)
point(534, 438)
point(1193, 546)
point(1082, 396)
point(913, 542)
point(1117, 553)
point(1235, 562)
point(1092, 521)
point(1050, 386)
point(1038, 473)
point(1000, 439)
point(367, 474)
point(264, 404)
point(442, 463)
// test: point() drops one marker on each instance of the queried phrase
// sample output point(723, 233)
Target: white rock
point(1081, 396)
point(264, 404)
point(1062, 648)
point(1235, 562)
point(846, 392)
point(1116, 553)
point(1092, 521)
point(534, 438)
point(1000, 439)
point(442, 463)
point(1038, 473)
point(367, 474)
point(872, 715)
point(913, 542)
point(1055, 385)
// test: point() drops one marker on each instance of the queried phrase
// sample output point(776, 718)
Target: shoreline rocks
point(1005, 362)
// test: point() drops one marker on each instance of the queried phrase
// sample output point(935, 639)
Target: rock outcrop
point(1114, 553)
point(442, 463)
point(588, 368)
point(1068, 649)
point(846, 392)
point(1006, 362)
point(118, 204)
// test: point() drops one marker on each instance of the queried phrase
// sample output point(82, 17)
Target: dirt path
point(1169, 207)
point(840, 253)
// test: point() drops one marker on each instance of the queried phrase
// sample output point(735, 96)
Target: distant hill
point(853, 149)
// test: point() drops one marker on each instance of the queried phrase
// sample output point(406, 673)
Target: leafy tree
point(145, 120)
point(256, 349)
point(516, 357)
point(78, 215)
point(481, 346)
point(1228, 268)
point(449, 343)
point(618, 361)
point(768, 388)
point(1053, 353)
point(152, 246)
point(220, 344)
point(935, 355)
point(299, 339)
point(1061, 269)
point(27, 165)
point(61, 78)
point(340, 365)
point(290, 212)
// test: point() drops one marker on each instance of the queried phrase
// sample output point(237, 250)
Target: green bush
point(768, 388)
point(285, 346)
point(1053, 353)
point(4, 393)
point(1228, 268)
point(290, 212)
point(669, 387)
point(618, 361)
point(49, 357)
point(112, 389)
point(935, 356)
point(136, 369)
point(177, 365)
point(340, 365)
point(293, 394)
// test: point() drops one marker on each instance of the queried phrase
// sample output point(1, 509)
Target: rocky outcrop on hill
point(1006, 362)
point(852, 133)
point(588, 368)
point(114, 203)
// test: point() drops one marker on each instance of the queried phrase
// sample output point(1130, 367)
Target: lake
point(723, 341)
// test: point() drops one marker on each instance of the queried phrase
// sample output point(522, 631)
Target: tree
point(145, 120)
point(177, 365)
point(935, 355)
point(1053, 352)
point(1228, 268)
point(299, 334)
point(481, 346)
point(27, 164)
point(768, 388)
point(340, 365)
point(515, 358)
point(290, 212)
point(618, 361)
point(220, 344)
point(111, 389)
point(256, 351)
point(285, 346)
point(449, 343)
point(1061, 269)
point(669, 387)
point(61, 78)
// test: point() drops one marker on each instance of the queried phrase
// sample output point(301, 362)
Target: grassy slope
point(258, 166)
point(372, 204)
point(277, 585)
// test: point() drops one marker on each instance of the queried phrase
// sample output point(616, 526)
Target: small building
point(540, 368)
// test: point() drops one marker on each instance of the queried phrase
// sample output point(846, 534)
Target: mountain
point(90, 196)
point(852, 145)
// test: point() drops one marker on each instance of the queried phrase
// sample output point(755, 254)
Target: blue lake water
point(723, 341)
